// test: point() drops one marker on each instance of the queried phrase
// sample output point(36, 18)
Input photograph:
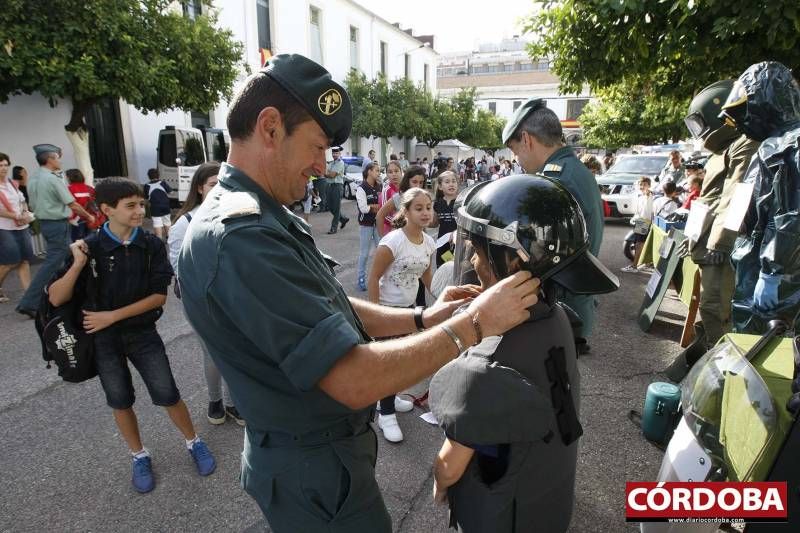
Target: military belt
point(350, 427)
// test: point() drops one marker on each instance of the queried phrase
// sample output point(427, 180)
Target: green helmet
point(703, 117)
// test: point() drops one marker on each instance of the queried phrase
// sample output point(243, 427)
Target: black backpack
point(61, 328)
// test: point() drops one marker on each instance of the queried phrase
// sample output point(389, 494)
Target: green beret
point(325, 100)
point(520, 114)
point(46, 148)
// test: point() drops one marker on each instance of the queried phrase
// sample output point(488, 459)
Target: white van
point(180, 151)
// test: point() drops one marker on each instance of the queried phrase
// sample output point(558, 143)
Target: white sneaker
point(402, 406)
point(390, 428)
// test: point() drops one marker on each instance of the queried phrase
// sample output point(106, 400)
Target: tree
point(676, 46)
point(140, 51)
point(623, 117)
point(438, 121)
point(485, 131)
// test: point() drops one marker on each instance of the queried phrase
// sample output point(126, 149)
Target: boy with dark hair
point(132, 273)
point(157, 193)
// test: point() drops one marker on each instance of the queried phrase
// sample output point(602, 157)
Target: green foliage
point(402, 109)
point(624, 116)
point(484, 130)
point(137, 50)
point(677, 46)
point(438, 121)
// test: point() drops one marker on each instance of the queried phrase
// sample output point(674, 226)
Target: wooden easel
point(687, 335)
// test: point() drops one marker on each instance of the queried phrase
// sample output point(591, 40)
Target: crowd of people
point(303, 366)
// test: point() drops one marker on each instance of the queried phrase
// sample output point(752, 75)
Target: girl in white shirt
point(220, 405)
point(402, 258)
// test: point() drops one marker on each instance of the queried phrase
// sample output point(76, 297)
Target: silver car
point(618, 184)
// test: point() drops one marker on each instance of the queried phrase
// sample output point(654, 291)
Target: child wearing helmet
point(509, 405)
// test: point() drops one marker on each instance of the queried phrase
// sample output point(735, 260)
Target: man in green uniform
point(334, 174)
point(730, 155)
point(52, 204)
point(294, 349)
point(534, 135)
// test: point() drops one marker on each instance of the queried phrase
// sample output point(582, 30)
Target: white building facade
point(339, 34)
point(505, 76)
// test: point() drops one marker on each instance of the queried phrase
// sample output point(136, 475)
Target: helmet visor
point(463, 271)
point(587, 275)
point(696, 125)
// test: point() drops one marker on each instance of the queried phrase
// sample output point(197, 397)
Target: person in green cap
point(52, 204)
point(534, 135)
point(296, 352)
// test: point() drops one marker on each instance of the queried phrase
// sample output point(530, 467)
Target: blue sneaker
point(142, 477)
point(362, 284)
point(203, 458)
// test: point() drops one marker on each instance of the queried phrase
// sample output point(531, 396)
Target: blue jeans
point(57, 238)
point(144, 348)
point(368, 239)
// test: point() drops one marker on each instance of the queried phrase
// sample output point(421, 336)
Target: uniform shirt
point(338, 167)
point(736, 159)
point(49, 196)
point(675, 175)
point(565, 168)
point(267, 306)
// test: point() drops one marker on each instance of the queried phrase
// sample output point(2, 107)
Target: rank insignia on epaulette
point(238, 204)
point(552, 167)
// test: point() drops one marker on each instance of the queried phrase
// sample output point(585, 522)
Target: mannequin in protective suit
point(765, 105)
point(731, 152)
point(509, 406)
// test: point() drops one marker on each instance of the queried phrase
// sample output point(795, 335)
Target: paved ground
point(65, 468)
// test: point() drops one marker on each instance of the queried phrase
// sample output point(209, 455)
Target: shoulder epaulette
point(552, 167)
point(238, 204)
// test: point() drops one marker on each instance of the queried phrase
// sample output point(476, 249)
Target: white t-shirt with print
point(399, 284)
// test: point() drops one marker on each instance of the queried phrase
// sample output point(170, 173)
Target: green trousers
point(716, 291)
point(328, 487)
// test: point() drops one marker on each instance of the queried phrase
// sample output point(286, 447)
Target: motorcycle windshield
point(730, 410)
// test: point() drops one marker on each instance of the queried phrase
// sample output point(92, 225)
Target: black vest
point(522, 393)
point(368, 219)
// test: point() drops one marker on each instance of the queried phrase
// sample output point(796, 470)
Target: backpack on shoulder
point(64, 341)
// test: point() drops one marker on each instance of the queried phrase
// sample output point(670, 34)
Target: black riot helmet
point(536, 220)
point(764, 101)
point(704, 110)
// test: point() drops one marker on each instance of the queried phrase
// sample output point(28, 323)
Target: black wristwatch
point(418, 310)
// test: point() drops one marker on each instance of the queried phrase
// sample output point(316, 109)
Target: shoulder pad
point(552, 167)
point(238, 204)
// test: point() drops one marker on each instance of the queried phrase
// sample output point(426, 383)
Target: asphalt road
point(65, 468)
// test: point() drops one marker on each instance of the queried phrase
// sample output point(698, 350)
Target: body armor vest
point(521, 391)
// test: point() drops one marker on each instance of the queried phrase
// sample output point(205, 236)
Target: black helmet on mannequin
point(764, 101)
point(704, 110)
point(536, 221)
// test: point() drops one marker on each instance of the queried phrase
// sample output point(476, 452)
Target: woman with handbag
point(16, 249)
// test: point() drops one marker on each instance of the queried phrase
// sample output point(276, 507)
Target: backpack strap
point(188, 217)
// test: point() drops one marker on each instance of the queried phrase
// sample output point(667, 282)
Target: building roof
point(422, 39)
